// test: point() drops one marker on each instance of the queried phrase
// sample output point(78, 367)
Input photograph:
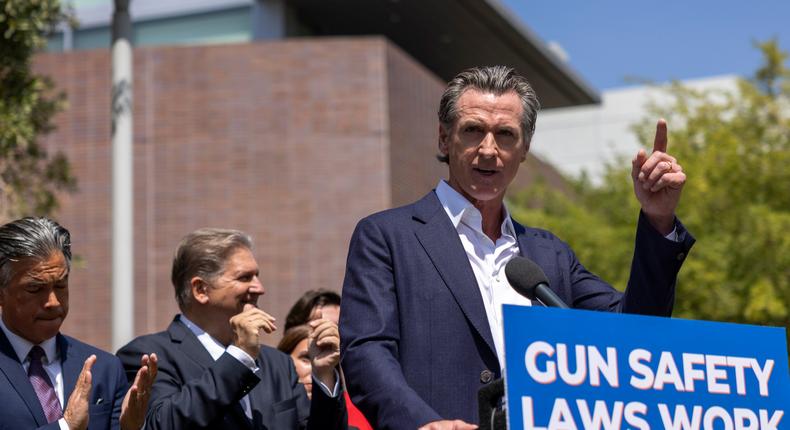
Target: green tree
point(735, 149)
point(29, 176)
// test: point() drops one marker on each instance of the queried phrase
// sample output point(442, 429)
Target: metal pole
point(122, 185)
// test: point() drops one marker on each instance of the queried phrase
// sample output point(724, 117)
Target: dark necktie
point(43, 385)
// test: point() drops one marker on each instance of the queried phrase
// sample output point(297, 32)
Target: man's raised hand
point(135, 403)
point(76, 414)
point(658, 181)
point(324, 350)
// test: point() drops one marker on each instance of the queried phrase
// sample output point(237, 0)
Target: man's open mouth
point(485, 172)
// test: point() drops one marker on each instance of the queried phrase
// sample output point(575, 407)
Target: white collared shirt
point(487, 258)
point(51, 362)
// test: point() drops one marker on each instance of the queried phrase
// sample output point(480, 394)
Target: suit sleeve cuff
point(334, 392)
point(660, 245)
point(243, 357)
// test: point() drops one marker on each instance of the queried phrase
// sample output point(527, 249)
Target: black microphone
point(528, 279)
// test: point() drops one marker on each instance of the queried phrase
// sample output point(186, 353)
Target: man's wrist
point(327, 376)
point(661, 223)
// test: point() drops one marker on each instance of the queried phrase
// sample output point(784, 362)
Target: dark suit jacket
point(415, 338)
point(20, 408)
point(193, 391)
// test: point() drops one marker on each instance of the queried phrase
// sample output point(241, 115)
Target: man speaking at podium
point(421, 326)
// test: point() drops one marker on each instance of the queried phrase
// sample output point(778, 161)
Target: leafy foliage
point(735, 149)
point(29, 176)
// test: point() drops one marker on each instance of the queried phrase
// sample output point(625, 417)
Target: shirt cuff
point(335, 392)
point(673, 235)
point(243, 357)
point(63, 424)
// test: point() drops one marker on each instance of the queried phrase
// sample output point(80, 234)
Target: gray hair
point(491, 79)
point(203, 253)
point(31, 238)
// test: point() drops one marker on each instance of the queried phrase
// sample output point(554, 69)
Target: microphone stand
point(489, 400)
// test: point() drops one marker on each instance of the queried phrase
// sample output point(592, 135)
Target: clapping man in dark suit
point(213, 372)
point(421, 319)
point(47, 379)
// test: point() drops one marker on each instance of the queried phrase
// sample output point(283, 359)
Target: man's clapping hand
point(135, 403)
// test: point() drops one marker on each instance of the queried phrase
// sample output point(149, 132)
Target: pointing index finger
point(660, 142)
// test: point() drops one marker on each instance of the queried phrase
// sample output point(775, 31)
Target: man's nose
point(488, 147)
point(52, 300)
point(256, 286)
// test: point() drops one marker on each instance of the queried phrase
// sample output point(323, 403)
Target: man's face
point(485, 145)
point(237, 285)
point(36, 301)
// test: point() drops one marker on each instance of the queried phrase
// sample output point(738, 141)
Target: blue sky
point(608, 40)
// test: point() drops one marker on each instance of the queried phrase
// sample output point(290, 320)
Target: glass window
point(92, 38)
point(89, 3)
point(226, 26)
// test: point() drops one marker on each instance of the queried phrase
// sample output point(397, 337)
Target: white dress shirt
point(51, 362)
point(486, 257)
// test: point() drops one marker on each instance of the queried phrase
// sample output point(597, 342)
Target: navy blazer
point(192, 391)
point(415, 341)
point(20, 408)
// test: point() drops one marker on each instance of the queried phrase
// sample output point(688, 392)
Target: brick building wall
point(414, 100)
point(288, 141)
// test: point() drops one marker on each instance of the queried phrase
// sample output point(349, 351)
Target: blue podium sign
point(572, 369)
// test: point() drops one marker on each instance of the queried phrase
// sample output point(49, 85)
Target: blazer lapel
point(13, 370)
point(189, 343)
point(441, 242)
point(531, 246)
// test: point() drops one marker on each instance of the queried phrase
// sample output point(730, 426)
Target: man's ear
point(199, 289)
point(444, 140)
